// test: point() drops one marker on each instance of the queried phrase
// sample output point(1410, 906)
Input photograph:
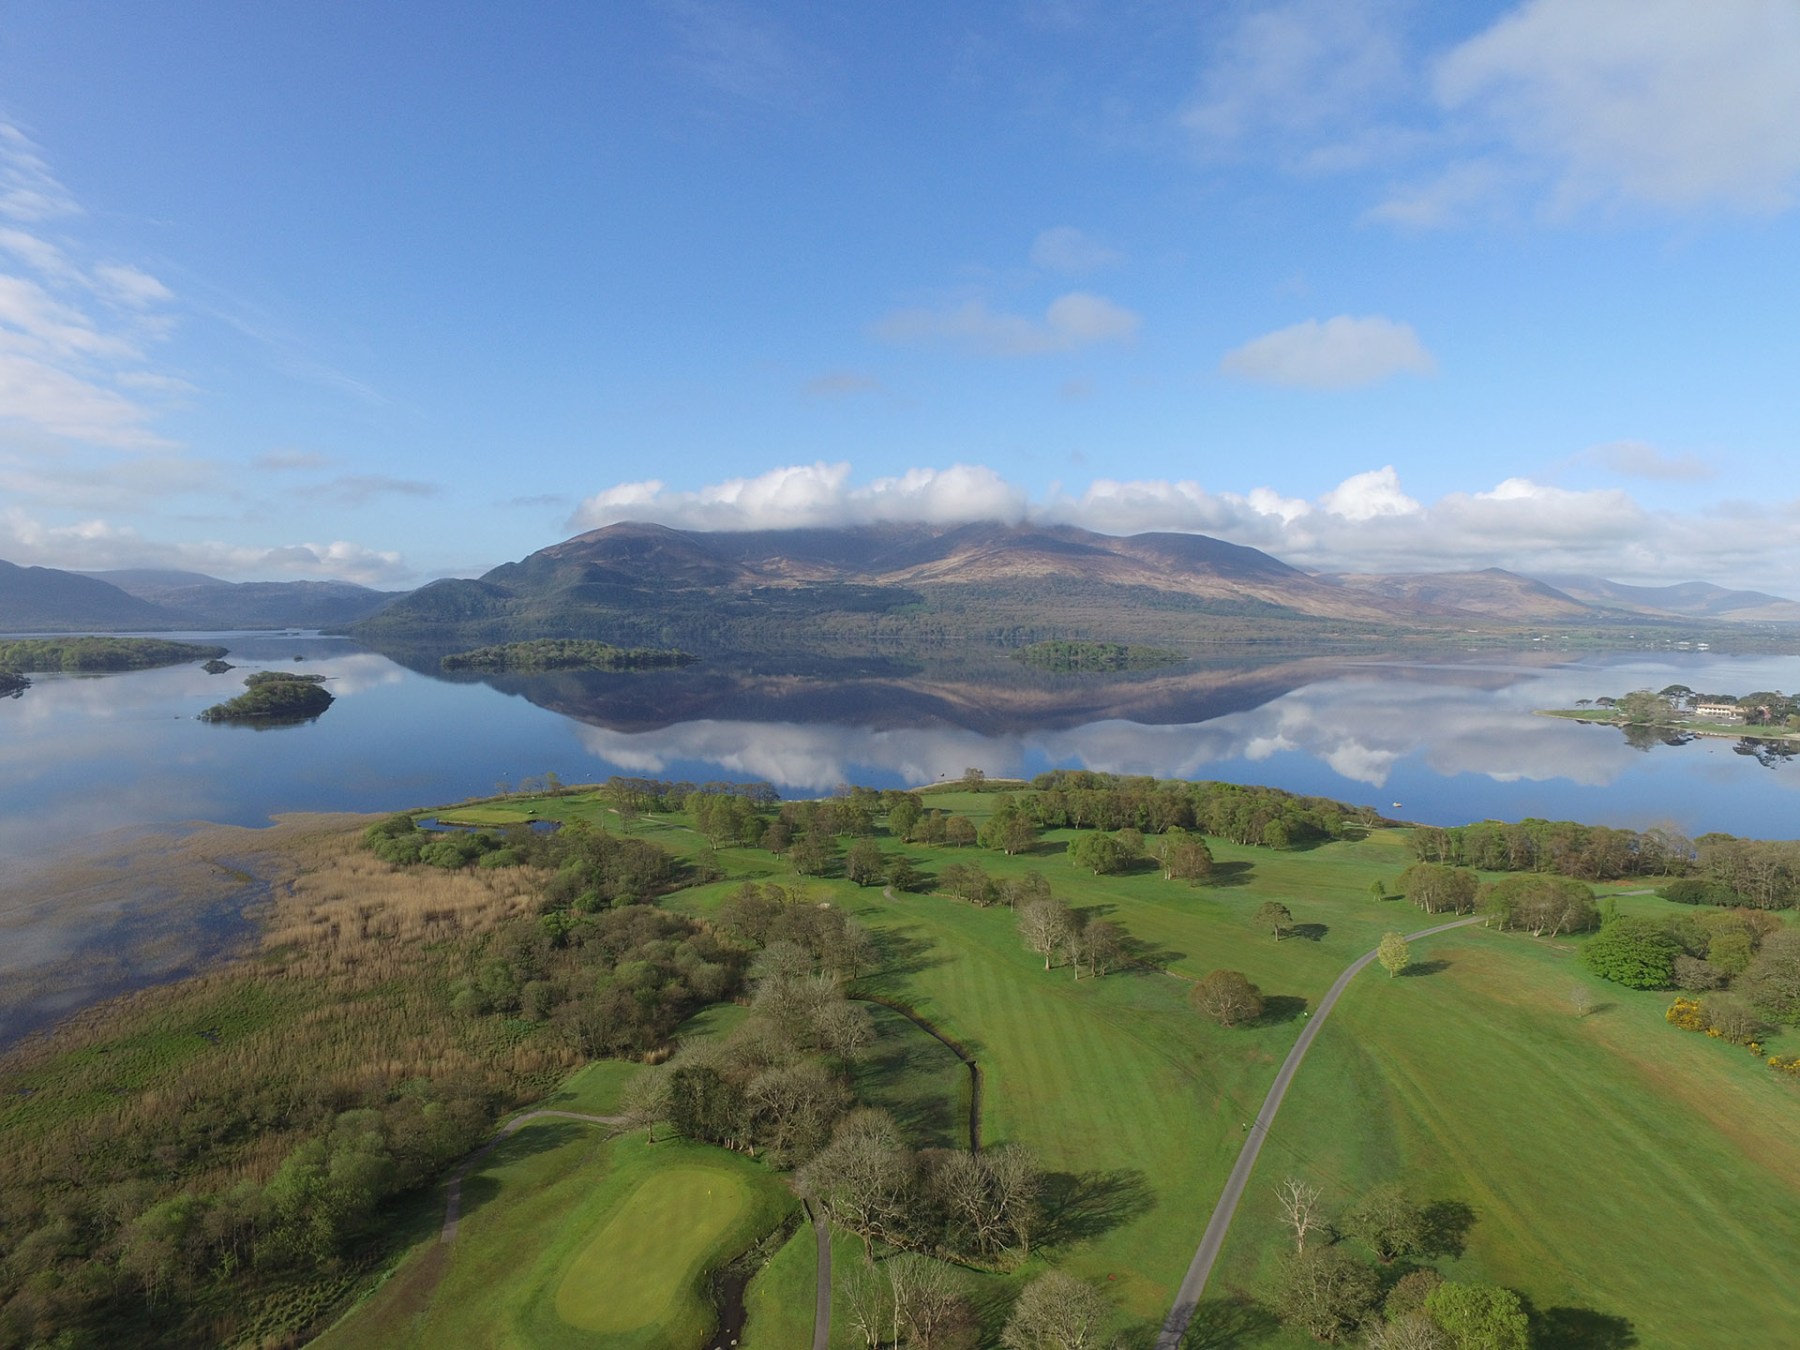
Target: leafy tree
point(1479, 1316)
point(959, 831)
point(1056, 1311)
point(1637, 953)
point(1274, 916)
point(1388, 1222)
point(1438, 889)
point(1325, 1291)
point(1228, 997)
point(864, 863)
point(1393, 953)
point(903, 815)
point(1102, 854)
point(1772, 981)
point(1187, 859)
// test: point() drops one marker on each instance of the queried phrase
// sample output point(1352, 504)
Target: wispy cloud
point(1071, 321)
point(841, 384)
point(289, 461)
point(1072, 251)
point(74, 337)
point(1640, 459)
point(357, 489)
point(739, 51)
point(1336, 353)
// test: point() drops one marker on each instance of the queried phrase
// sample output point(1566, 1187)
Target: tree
point(1388, 1222)
point(928, 1301)
point(1325, 1291)
point(645, 1103)
point(1581, 999)
point(1409, 1331)
point(1479, 1316)
point(1393, 953)
point(1299, 1209)
point(862, 1179)
point(1438, 889)
point(1637, 953)
point(1772, 981)
point(1056, 1311)
point(1274, 916)
point(959, 831)
point(1099, 853)
point(791, 1108)
point(1103, 943)
point(1187, 859)
point(1377, 891)
point(864, 863)
point(1046, 927)
point(989, 1198)
point(903, 815)
point(1228, 997)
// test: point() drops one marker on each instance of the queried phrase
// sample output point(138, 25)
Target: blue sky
point(389, 291)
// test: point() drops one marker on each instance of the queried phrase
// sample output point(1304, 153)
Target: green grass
point(622, 1287)
point(552, 1250)
point(1612, 1163)
point(779, 1302)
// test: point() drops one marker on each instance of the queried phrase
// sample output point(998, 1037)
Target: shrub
point(1637, 953)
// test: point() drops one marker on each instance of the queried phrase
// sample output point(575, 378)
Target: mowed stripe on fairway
point(647, 1258)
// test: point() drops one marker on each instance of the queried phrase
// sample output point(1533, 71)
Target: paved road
point(453, 1197)
point(1187, 1298)
point(822, 1300)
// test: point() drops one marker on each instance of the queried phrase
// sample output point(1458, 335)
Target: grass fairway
point(569, 1239)
point(639, 1276)
point(1637, 1178)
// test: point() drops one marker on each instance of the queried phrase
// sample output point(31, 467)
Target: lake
point(86, 760)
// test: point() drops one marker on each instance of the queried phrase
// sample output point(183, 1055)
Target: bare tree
point(1046, 926)
point(863, 1179)
point(1103, 944)
point(1057, 1312)
point(869, 1300)
point(1581, 999)
point(928, 1301)
point(645, 1103)
point(1300, 1208)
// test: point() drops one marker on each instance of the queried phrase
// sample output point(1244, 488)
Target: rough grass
point(779, 1301)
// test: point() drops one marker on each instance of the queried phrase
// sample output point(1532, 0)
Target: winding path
point(453, 1195)
point(1187, 1298)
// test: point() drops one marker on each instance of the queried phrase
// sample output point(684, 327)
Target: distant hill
point(208, 602)
point(46, 599)
point(1689, 599)
point(1492, 593)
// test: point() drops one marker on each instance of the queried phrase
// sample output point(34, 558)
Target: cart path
point(1187, 1298)
point(822, 1300)
point(453, 1195)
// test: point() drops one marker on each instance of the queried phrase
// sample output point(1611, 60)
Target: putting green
point(639, 1269)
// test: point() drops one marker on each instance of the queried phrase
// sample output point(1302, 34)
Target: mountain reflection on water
point(1439, 738)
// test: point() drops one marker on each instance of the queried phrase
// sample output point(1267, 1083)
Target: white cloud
point(100, 544)
point(129, 286)
point(42, 397)
point(357, 489)
point(1366, 523)
point(1067, 249)
point(1078, 319)
point(1291, 74)
point(1338, 353)
point(1639, 459)
point(1665, 102)
point(802, 495)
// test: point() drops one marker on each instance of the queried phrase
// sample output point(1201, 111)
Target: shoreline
point(1716, 730)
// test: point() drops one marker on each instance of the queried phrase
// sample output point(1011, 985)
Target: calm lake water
point(1441, 740)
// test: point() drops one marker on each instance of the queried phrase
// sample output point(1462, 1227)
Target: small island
point(546, 654)
point(217, 667)
point(11, 685)
point(1066, 657)
point(273, 697)
point(97, 654)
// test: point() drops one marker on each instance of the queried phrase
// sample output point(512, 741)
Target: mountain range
point(47, 600)
point(879, 588)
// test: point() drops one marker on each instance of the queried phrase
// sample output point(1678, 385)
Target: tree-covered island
point(546, 654)
point(95, 654)
point(273, 696)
